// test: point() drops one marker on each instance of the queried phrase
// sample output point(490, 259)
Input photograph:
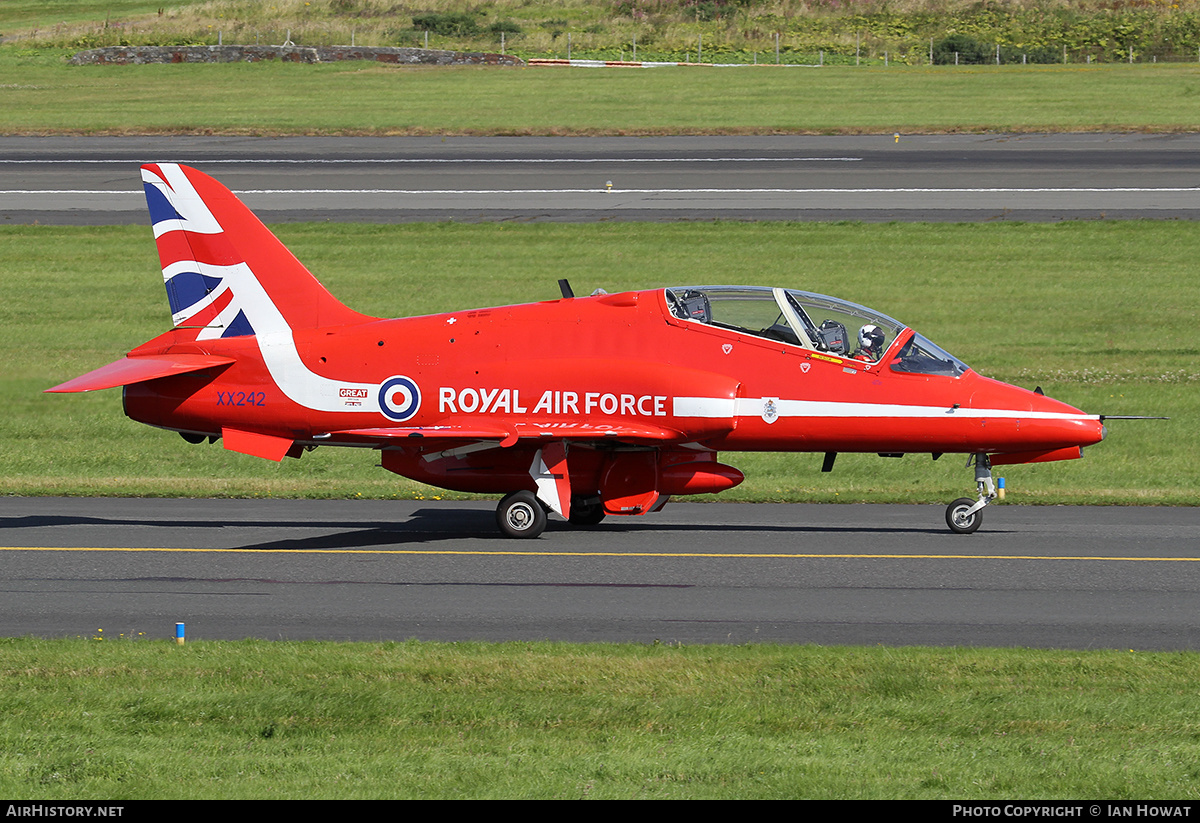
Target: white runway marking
point(504, 160)
point(417, 192)
point(67, 191)
point(720, 191)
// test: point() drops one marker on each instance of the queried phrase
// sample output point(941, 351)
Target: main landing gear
point(586, 512)
point(965, 515)
point(521, 514)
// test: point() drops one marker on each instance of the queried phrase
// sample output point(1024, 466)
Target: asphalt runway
point(1052, 577)
point(72, 180)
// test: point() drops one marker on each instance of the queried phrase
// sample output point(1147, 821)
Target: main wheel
point(583, 514)
point(957, 518)
point(520, 514)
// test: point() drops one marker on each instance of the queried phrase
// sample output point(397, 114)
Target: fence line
point(865, 50)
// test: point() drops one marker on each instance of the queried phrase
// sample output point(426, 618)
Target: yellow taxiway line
point(698, 555)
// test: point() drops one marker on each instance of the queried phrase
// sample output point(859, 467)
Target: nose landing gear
point(965, 515)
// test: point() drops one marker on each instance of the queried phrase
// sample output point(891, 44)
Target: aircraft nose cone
point(1037, 422)
point(1079, 427)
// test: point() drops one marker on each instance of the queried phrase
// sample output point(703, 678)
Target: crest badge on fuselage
point(770, 410)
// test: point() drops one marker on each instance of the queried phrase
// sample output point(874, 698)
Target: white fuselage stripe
point(721, 407)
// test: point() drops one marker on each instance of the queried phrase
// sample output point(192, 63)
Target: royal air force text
point(492, 401)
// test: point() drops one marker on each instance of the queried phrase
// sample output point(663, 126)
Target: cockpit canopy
point(813, 321)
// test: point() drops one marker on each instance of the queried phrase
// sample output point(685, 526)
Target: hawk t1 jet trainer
point(584, 406)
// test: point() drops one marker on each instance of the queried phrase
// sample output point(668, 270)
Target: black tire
point(520, 514)
point(955, 520)
point(583, 514)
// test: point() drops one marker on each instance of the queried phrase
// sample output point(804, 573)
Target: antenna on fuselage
point(565, 287)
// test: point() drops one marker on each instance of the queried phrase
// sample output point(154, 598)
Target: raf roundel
point(399, 398)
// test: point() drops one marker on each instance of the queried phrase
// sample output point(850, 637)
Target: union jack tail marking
point(226, 274)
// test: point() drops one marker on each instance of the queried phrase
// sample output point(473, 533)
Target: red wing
point(509, 433)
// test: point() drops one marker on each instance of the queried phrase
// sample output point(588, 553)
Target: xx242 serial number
point(241, 398)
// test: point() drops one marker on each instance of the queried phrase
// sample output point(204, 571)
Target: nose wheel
point(964, 515)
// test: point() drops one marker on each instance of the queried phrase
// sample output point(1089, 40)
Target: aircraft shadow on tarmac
point(430, 526)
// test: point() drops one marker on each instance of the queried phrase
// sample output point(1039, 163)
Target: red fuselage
point(620, 359)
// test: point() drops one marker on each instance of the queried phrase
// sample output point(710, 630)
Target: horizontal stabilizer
point(129, 370)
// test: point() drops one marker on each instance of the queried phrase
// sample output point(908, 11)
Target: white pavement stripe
point(510, 192)
point(497, 160)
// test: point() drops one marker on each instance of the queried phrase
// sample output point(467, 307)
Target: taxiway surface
point(1054, 577)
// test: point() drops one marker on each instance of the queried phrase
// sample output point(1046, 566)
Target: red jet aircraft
point(628, 405)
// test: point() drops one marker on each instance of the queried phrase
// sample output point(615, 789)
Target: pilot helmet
point(870, 337)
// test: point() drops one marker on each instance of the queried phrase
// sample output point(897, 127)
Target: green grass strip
point(112, 716)
point(40, 94)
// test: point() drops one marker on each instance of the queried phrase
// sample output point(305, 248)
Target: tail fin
point(226, 274)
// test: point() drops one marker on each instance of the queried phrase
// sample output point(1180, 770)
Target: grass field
point(121, 718)
point(1082, 309)
point(40, 94)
